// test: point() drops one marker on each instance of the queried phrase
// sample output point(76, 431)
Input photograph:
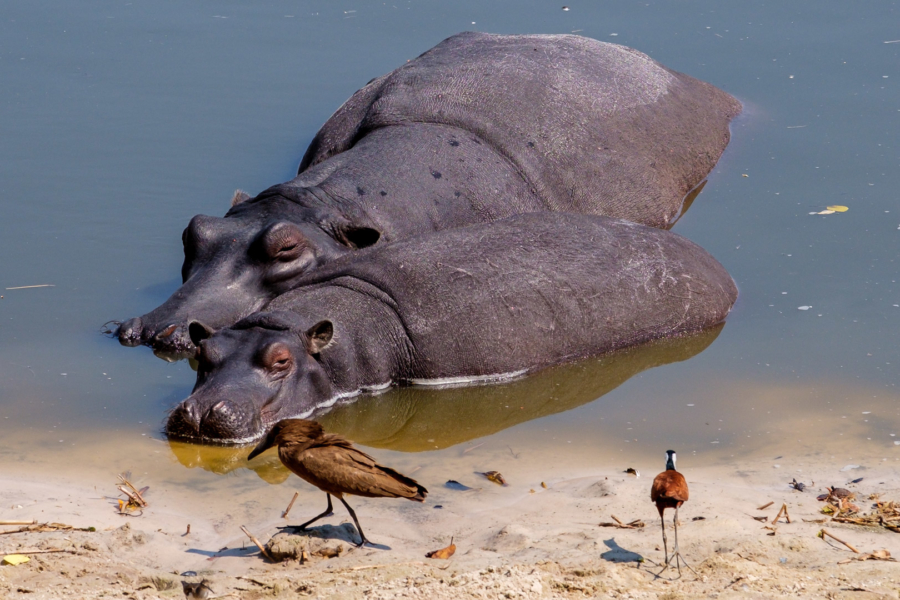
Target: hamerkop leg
point(328, 512)
point(356, 521)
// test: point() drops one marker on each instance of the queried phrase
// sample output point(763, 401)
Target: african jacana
point(333, 465)
point(670, 490)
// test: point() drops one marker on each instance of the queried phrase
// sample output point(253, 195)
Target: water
point(122, 120)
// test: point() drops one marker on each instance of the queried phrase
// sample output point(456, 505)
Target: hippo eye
point(277, 358)
point(284, 242)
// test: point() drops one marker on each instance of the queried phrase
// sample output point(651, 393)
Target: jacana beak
point(264, 444)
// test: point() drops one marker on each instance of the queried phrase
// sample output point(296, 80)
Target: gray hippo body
point(479, 128)
point(479, 303)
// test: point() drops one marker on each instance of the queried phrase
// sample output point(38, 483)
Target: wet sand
point(522, 540)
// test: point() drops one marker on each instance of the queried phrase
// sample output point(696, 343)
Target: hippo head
point(250, 376)
point(234, 265)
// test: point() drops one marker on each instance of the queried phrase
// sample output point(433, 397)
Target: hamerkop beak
point(333, 465)
point(263, 445)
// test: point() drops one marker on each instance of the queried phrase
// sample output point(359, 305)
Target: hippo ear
point(319, 336)
point(198, 332)
point(358, 237)
point(239, 196)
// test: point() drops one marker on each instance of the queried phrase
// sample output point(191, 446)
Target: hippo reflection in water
point(462, 305)
point(479, 128)
point(419, 419)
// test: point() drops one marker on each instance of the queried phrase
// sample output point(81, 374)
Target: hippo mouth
point(170, 343)
point(224, 423)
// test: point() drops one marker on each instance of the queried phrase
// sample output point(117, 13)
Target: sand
point(519, 541)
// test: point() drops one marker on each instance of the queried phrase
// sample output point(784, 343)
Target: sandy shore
point(519, 541)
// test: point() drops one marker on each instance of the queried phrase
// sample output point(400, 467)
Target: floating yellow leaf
point(837, 208)
point(15, 559)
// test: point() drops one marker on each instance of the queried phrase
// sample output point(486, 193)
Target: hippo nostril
point(129, 332)
point(191, 414)
point(223, 407)
point(168, 331)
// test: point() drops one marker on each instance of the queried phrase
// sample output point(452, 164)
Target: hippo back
point(528, 291)
point(592, 127)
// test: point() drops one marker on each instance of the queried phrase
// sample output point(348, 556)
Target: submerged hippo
point(479, 128)
point(479, 303)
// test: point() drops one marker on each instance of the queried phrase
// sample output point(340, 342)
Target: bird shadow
point(211, 554)
point(345, 532)
point(618, 554)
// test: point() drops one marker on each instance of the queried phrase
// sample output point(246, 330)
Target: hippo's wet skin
point(479, 128)
point(475, 303)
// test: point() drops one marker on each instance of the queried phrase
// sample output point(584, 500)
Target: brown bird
point(670, 490)
point(333, 465)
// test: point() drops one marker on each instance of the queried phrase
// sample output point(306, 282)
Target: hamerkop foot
point(332, 464)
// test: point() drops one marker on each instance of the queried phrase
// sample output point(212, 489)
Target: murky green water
point(121, 120)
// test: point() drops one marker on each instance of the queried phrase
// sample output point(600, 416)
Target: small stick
point(473, 447)
point(34, 522)
point(40, 551)
point(256, 581)
point(616, 519)
point(256, 541)
point(288, 509)
point(136, 492)
point(765, 506)
point(188, 532)
point(823, 533)
point(26, 287)
point(786, 515)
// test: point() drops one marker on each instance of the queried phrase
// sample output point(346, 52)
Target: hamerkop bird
point(670, 490)
point(333, 465)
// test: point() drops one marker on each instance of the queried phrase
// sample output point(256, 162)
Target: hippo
point(476, 304)
point(479, 128)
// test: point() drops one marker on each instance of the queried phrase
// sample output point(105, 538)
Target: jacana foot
point(678, 558)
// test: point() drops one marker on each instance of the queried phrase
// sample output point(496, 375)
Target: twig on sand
point(473, 447)
point(765, 506)
point(636, 524)
point(256, 581)
point(33, 522)
point(132, 492)
point(783, 510)
point(256, 541)
point(44, 527)
point(288, 509)
point(69, 550)
point(823, 533)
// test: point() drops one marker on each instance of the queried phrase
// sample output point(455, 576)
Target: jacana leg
point(356, 521)
point(328, 512)
point(665, 542)
point(675, 551)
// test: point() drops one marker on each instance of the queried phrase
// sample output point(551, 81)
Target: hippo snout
point(129, 332)
point(173, 338)
point(225, 421)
